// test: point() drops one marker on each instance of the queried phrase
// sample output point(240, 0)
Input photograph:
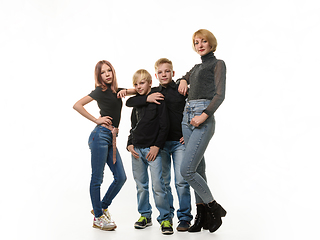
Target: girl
point(207, 91)
point(102, 141)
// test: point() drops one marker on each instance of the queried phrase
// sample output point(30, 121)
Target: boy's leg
point(182, 187)
point(159, 191)
point(140, 174)
point(166, 174)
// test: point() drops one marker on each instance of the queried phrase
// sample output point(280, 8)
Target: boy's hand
point(104, 120)
point(153, 153)
point(152, 98)
point(182, 140)
point(183, 87)
point(133, 152)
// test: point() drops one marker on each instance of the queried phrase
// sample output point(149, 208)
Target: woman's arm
point(79, 107)
point(183, 87)
point(220, 88)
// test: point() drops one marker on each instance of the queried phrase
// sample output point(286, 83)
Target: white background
point(261, 163)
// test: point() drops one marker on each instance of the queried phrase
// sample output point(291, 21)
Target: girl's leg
point(119, 178)
point(99, 149)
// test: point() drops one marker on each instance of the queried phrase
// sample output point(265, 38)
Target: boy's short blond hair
point(161, 61)
point(207, 35)
point(141, 74)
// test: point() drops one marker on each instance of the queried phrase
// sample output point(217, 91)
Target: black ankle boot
point(199, 220)
point(205, 225)
point(215, 212)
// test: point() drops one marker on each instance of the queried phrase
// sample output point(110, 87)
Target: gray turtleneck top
point(207, 80)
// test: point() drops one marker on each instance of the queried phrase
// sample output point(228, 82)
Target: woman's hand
point(122, 93)
point(104, 120)
point(183, 87)
point(151, 156)
point(133, 152)
point(198, 120)
point(154, 97)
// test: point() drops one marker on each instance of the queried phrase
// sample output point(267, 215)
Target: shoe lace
point(103, 218)
point(107, 213)
point(142, 218)
point(166, 223)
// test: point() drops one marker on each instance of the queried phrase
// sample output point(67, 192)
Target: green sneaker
point(143, 222)
point(166, 227)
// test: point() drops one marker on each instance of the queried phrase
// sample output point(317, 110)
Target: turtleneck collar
point(207, 57)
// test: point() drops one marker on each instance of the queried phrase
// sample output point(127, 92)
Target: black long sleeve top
point(207, 81)
point(149, 126)
point(175, 103)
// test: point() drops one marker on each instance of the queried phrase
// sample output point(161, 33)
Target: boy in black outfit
point(149, 130)
point(174, 147)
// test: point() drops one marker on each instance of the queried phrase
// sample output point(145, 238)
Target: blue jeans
point(176, 150)
point(197, 140)
point(141, 177)
point(100, 143)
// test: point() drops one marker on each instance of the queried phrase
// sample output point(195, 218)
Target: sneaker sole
point(167, 232)
point(104, 229)
point(182, 229)
point(142, 227)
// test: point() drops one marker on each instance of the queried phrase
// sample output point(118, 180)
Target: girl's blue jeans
point(196, 140)
point(100, 143)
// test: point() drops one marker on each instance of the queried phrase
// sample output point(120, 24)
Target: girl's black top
point(108, 104)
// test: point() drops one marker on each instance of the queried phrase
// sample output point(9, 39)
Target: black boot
point(205, 225)
point(215, 212)
point(199, 220)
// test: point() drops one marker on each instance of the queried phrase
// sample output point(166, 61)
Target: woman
point(207, 91)
point(102, 141)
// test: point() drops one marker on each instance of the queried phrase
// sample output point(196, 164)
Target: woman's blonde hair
point(98, 80)
point(207, 35)
point(141, 74)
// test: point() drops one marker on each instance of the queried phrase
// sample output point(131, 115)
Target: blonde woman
point(206, 82)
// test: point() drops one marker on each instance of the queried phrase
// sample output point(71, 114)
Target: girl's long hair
point(98, 79)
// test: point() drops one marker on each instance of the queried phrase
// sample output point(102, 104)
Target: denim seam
point(197, 147)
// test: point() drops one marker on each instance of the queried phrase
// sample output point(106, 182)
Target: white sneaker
point(103, 223)
point(106, 213)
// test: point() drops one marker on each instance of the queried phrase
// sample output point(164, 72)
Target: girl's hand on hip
point(198, 120)
point(104, 120)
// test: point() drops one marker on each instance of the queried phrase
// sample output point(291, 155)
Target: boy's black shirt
point(175, 103)
point(149, 125)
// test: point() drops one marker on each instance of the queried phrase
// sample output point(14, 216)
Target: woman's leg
point(197, 142)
